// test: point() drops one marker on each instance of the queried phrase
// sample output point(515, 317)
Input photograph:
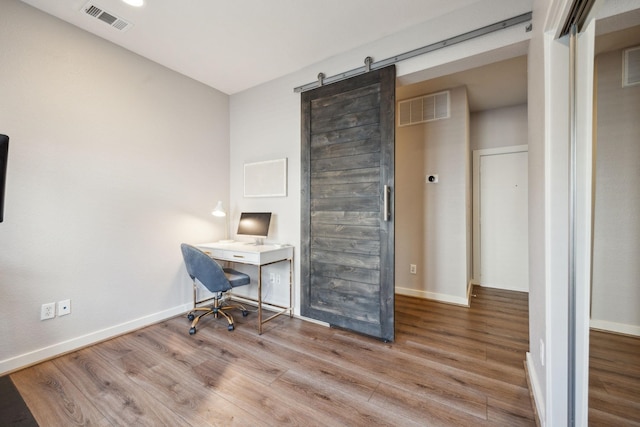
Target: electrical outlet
point(277, 279)
point(412, 268)
point(272, 278)
point(48, 311)
point(64, 307)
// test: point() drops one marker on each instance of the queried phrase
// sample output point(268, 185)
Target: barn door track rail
point(370, 65)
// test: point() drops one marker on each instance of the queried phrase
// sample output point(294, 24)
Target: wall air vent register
point(424, 109)
point(631, 68)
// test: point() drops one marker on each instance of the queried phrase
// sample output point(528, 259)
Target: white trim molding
point(618, 328)
point(536, 391)
point(449, 299)
point(42, 354)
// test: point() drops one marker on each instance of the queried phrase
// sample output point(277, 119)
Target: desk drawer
point(228, 255)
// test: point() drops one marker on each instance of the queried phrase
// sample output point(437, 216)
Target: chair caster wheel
point(192, 331)
point(191, 316)
point(245, 313)
point(230, 327)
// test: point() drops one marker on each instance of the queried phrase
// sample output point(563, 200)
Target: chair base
point(218, 310)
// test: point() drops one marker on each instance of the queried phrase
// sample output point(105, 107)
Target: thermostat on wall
point(431, 179)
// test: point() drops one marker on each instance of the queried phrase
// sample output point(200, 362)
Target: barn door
point(347, 254)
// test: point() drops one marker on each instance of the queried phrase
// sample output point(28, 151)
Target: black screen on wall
point(4, 152)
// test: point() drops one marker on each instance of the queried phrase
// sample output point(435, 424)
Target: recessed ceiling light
point(135, 3)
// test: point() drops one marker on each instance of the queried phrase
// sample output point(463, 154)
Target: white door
point(502, 205)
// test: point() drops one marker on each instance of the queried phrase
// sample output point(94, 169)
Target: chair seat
point(202, 268)
point(236, 278)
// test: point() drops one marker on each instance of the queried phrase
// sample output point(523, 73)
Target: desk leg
point(290, 287)
point(259, 300)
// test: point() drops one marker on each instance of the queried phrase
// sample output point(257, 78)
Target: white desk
point(260, 256)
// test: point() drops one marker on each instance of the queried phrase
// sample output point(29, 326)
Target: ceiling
point(496, 85)
point(235, 45)
point(617, 31)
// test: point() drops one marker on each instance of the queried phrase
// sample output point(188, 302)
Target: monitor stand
point(258, 241)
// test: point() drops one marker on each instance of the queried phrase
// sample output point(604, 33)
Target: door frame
point(477, 155)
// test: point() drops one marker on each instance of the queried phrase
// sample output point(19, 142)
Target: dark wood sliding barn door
point(347, 254)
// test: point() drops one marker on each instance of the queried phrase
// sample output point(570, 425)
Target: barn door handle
point(387, 201)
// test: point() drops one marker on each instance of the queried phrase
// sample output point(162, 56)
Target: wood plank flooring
point(449, 366)
point(614, 379)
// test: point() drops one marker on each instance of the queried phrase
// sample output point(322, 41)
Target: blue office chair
point(217, 280)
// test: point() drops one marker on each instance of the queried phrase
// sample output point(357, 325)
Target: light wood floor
point(448, 366)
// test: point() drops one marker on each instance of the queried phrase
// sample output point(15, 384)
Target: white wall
point(538, 94)
point(265, 125)
point(499, 127)
point(113, 162)
point(615, 290)
point(431, 219)
point(549, 221)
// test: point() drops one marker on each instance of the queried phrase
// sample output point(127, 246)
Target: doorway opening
point(434, 217)
point(434, 220)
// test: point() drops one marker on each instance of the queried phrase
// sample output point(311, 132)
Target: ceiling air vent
point(108, 18)
point(631, 66)
point(423, 109)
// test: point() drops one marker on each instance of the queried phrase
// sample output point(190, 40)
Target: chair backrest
point(200, 266)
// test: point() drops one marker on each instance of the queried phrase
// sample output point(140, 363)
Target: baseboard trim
point(449, 299)
point(40, 355)
point(618, 328)
point(310, 320)
point(535, 391)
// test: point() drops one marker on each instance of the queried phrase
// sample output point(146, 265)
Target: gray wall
point(616, 232)
point(499, 127)
point(432, 223)
point(429, 215)
point(113, 161)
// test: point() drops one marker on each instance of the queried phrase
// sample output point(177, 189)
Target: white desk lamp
point(220, 212)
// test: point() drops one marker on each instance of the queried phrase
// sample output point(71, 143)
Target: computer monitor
point(254, 224)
